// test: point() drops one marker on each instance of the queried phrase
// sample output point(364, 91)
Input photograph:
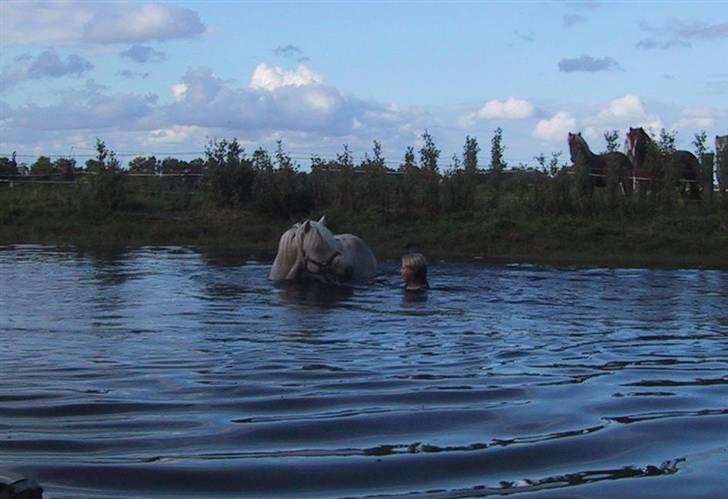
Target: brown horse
point(683, 163)
point(601, 166)
point(721, 161)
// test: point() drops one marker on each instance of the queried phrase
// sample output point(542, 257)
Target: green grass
point(685, 237)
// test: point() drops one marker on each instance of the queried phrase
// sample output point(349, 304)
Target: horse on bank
point(683, 164)
point(310, 251)
point(611, 167)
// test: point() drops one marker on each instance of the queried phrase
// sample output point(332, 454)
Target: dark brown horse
point(601, 167)
point(721, 161)
point(683, 164)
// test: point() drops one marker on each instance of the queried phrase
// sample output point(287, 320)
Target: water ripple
point(170, 372)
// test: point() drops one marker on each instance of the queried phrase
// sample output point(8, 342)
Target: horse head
point(578, 148)
point(321, 253)
point(636, 145)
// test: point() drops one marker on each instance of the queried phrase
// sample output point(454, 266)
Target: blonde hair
point(418, 264)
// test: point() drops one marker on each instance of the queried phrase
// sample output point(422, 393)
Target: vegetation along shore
point(230, 201)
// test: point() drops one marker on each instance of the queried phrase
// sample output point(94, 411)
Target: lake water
point(166, 372)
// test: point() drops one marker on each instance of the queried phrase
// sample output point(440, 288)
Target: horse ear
point(307, 226)
point(322, 220)
point(579, 134)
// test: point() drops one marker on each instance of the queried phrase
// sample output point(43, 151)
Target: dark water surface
point(165, 372)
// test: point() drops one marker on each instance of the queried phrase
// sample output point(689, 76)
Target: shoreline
point(681, 240)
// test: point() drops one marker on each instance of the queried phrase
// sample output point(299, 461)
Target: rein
point(323, 267)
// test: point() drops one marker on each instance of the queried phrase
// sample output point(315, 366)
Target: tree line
point(274, 184)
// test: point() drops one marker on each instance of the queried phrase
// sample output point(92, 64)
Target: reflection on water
point(314, 293)
point(411, 297)
point(164, 372)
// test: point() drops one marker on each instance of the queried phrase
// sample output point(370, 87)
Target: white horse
point(310, 251)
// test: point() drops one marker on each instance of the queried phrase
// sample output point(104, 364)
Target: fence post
point(706, 163)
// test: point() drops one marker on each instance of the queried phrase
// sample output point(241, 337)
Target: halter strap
point(321, 265)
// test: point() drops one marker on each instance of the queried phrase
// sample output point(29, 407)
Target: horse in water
point(601, 167)
point(309, 251)
point(639, 146)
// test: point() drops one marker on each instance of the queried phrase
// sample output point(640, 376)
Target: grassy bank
point(682, 238)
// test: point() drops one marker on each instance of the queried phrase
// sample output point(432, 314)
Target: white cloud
point(693, 120)
point(556, 128)
point(695, 123)
point(267, 78)
point(77, 21)
point(180, 91)
point(622, 113)
point(177, 134)
point(509, 109)
point(627, 107)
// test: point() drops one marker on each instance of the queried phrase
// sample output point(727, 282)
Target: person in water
point(414, 272)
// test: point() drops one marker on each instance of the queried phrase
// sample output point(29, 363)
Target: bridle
point(323, 267)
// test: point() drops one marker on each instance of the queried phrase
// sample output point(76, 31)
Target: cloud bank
point(82, 22)
point(276, 103)
point(143, 54)
point(47, 64)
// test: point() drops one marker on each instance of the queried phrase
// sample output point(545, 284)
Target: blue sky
point(163, 77)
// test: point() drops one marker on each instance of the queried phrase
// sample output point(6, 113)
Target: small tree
point(496, 165)
point(345, 184)
point(8, 167)
point(283, 160)
point(107, 184)
point(261, 161)
point(174, 166)
point(42, 166)
point(408, 162)
point(699, 143)
point(429, 155)
point(665, 148)
point(376, 189)
point(470, 155)
point(66, 167)
point(612, 139)
point(229, 176)
point(105, 159)
point(666, 142)
point(264, 197)
point(496, 151)
point(409, 189)
point(142, 164)
point(290, 192)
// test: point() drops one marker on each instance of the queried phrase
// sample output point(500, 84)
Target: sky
point(164, 78)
